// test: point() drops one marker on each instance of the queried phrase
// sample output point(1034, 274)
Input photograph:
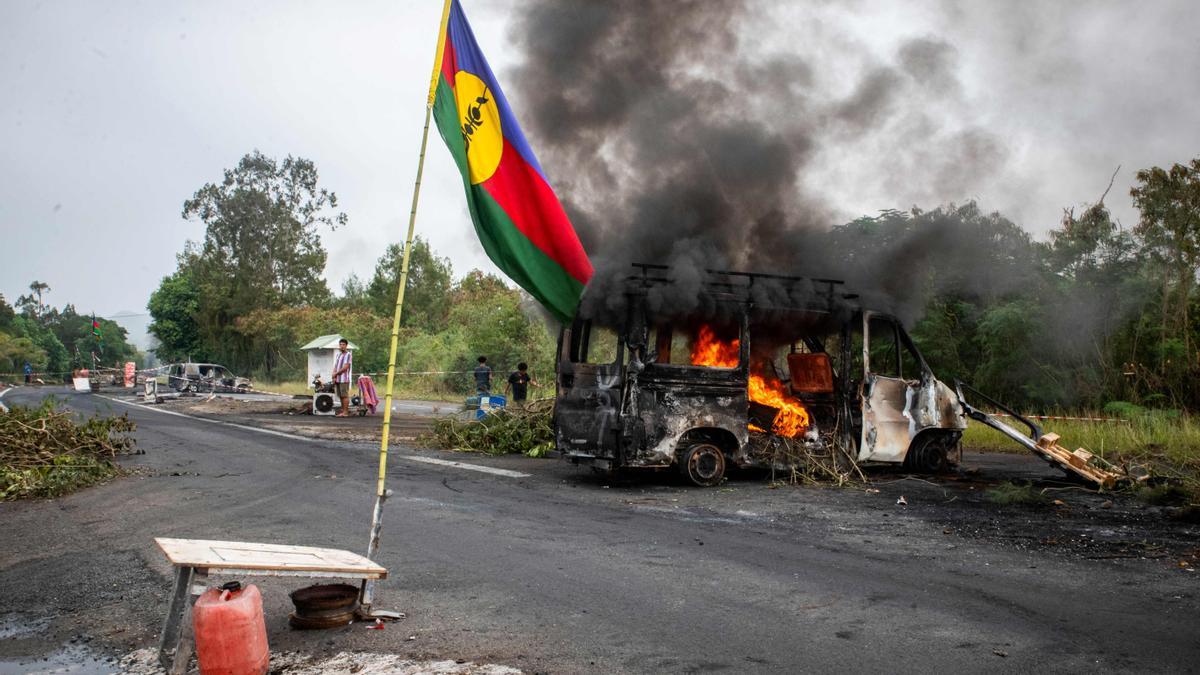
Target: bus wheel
point(703, 464)
point(929, 454)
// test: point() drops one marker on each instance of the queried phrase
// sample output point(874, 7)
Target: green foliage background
point(251, 292)
point(56, 341)
point(1094, 314)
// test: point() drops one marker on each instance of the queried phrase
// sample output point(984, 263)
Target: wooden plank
point(302, 574)
point(242, 555)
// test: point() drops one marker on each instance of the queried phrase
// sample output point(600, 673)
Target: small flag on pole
point(519, 219)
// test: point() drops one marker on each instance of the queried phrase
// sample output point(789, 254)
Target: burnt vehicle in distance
point(205, 377)
point(766, 362)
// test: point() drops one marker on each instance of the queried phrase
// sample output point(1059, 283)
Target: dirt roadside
point(291, 416)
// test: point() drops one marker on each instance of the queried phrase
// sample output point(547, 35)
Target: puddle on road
point(72, 659)
point(17, 626)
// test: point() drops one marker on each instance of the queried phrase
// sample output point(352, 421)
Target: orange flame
point(707, 350)
point(792, 418)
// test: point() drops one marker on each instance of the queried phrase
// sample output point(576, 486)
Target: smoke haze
point(117, 112)
point(678, 137)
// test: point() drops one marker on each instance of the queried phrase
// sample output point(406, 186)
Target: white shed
point(321, 354)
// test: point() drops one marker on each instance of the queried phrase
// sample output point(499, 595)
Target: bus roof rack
point(740, 284)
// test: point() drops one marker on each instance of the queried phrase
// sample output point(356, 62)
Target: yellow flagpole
point(381, 493)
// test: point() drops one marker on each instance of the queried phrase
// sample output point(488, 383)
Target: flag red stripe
point(531, 204)
point(449, 63)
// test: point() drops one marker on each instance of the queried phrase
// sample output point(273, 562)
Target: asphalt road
point(561, 572)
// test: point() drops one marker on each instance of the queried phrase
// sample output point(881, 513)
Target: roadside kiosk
point(321, 353)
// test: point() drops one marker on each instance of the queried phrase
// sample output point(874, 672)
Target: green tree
point(6, 314)
point(74, 331)
point(354, 293)
point(32, 305)
point(429, 280)
point(261, 248)
point(493, 323)
point(1100, 290)
point(173, 308)
point(1169, 230)
point(945, 336)
point(279, 333)
point(15, 352)
point(57, 360)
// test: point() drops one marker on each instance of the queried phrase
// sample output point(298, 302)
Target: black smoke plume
point(674, 137)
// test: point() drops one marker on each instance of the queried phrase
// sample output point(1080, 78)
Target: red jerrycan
point(231, 635)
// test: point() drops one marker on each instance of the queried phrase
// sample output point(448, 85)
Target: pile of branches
point(46, 453)
point(801, 463)
point(506, 431)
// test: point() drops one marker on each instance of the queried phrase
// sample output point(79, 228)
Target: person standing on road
point(28, 373)
point(342, 363)
point(519, 382)
point(483, 377)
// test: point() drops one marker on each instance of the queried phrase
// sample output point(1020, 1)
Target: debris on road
point(46, 453)
point(1087, 465)
point(285, 415)
point(144, 662)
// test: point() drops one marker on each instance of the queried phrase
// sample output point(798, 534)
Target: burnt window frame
point(893, 342)
point(580, 343)
point(900, 341)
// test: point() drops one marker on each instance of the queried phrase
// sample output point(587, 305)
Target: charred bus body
point(767, 361)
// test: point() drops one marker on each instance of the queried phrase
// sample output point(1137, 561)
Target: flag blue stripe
point(470, 58)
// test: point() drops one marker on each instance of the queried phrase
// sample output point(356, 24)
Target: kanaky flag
point(518, 218)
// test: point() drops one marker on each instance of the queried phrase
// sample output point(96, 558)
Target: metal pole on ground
point(381, 492)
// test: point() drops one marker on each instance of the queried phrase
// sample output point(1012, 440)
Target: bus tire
point(703, 464)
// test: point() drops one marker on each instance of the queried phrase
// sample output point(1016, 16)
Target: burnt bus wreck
point(767, 371)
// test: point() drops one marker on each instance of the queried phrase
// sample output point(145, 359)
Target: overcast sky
point(113, 113)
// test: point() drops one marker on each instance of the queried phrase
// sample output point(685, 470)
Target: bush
point(46, 453)
point(1014, 493)
point(1124, 409)
point(506, 431)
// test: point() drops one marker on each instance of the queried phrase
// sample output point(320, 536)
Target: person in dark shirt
point(519, 382)
point(483, 377)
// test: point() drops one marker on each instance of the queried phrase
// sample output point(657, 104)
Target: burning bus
point(764, 371)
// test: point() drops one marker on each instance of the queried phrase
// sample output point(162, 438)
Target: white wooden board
point(246, 555)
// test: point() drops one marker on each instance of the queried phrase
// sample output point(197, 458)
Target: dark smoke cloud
point(674, 137)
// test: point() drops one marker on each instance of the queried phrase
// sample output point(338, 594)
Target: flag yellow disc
point(479, 121)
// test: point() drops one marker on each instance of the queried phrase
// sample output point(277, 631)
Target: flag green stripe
point(525, 263)
point(506, 245)
point(445, 114)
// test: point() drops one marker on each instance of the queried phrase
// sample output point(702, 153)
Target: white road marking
point(4, 408)
point(281, 434)
point(428, 460)
point(470, 467)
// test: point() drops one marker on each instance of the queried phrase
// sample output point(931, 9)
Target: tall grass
point(1166, 443)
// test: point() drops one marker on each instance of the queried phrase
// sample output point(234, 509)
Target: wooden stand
point(197, 559)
